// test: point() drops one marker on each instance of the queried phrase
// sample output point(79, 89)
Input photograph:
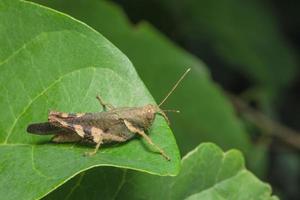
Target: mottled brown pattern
point(79, 130)
point(96, 134)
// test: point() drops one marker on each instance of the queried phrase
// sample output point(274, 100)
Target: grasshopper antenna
point(176, 111)
point(174, 87)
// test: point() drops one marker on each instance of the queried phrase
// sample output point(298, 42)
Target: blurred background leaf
point(243, 36)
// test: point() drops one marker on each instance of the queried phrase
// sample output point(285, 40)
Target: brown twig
point(269, 126)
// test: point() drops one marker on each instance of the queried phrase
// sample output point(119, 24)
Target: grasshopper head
point(151, 110)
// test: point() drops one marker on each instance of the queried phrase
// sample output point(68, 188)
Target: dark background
point(178, 21)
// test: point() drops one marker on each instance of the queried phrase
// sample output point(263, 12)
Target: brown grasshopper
point(110, 125)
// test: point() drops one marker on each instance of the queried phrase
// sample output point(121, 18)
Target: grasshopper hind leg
point(134, 129)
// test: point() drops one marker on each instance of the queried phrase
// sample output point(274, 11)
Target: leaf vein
point(27, 107)
point(34, 166)
point(75, 186)
point(121, 184)
point(24, 46)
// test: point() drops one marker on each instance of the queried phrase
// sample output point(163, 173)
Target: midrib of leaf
point(24, 46)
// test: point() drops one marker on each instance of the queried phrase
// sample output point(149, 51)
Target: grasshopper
point(110, 125)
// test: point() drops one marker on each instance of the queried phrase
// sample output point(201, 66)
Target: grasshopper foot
point(90, 153)
point(166, 157)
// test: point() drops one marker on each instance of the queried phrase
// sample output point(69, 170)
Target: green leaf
point(206, 171)
point(206, 115)
point(49, 61)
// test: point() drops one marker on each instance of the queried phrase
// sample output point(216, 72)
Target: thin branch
point(270, 127)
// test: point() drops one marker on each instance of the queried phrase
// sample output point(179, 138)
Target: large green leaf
point(51, 61)
point(206, 171)
point(205, 114)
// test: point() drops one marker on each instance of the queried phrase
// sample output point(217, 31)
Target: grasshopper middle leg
point(91, 153)
point(97, 135)
point(100, 137)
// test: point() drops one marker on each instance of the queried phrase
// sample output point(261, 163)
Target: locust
point(110, 125)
